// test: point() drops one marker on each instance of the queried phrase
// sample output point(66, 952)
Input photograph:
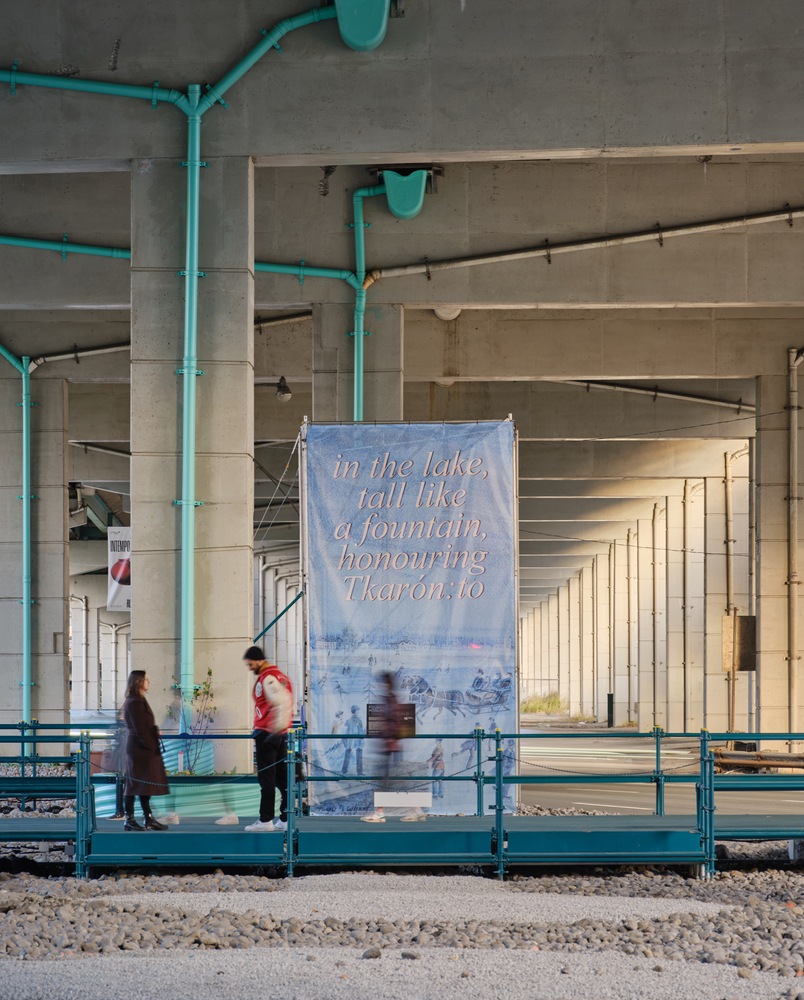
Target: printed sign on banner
point(118, 596)
point(410, 548)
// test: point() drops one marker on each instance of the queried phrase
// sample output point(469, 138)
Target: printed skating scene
point(446, 700)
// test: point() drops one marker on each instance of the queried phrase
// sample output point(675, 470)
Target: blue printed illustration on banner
point(410, 560)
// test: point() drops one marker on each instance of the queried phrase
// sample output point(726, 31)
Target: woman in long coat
point(145, 769)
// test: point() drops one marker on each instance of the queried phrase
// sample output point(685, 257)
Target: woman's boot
point(154, 824)
point(132, 824)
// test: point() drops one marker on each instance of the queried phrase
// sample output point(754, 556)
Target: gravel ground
point(639, 934)
point(323, 974)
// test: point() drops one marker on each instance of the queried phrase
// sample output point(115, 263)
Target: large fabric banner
point(410, 549)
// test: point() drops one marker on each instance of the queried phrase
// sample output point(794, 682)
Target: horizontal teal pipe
point(59, 246)
point(163, 94)
point(303, 271)
point(269, 42)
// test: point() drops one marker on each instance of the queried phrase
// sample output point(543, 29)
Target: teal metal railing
point(490, 768)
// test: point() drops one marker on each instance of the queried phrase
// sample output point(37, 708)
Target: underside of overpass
point(612, 256)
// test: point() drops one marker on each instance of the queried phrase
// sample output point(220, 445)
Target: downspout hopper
point(405, 192)
point(362, 23)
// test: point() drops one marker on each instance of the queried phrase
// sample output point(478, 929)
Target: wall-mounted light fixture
point(283, 393)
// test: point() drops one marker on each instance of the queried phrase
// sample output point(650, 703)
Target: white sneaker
point(171, 818)
point(280, 824)
point(373, 817)
point(230, 819)
point(260, 827)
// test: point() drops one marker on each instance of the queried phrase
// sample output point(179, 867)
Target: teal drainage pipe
point(152, 94)
point(23, 366)
point(302, 271)
point(189, 371)
point(63, 247)
point(270, 41)
point(360, 295)
point(194, 107)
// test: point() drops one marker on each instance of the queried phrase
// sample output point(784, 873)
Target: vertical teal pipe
point(360, 294)
point(189, 375)
point(27, 585)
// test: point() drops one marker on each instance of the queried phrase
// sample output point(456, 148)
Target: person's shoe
point(260, 827)
point(417, 816)
point(154, 824)
point(373, 817)
point(132, 824)
point(280, 824)
point(230, 819)
point(171, 818)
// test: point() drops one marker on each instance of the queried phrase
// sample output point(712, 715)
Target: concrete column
point(544, 647)
point(602, 626)
point(564, 678)
point(659, 526)
point(526, 653)
point(224, 463)
point(574, 644)
point(333, 363)
point(588, 700)
point(619, 595)
point(695, 511)
point(632, 623)
point(771, 585)
point(716, 680)
point(647, 712)
point(677, 665)
point(553, 681)
point(49, 564)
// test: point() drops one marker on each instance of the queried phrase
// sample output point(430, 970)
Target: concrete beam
point(517, 79)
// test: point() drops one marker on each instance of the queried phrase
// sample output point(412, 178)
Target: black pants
point(272, 772)
point(145, 802)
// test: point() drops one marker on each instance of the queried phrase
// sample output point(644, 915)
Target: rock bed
point(757, 927)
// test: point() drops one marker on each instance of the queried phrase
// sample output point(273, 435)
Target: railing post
point(83, 805)
point(498, 804)
point(290, 834)
point(706, 804)
point(658, 774)
point(479, 769)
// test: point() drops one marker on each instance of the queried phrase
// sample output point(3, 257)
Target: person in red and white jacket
point(273, 714)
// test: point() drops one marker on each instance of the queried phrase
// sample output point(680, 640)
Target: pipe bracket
point(32, 496)
point(188, 503)
point(26, 683)
point(216, 97)
point(154, 99)
point(13, 74)
point(265, 32)
point(190, 371)
point(197, 274)
point(201, 163)
point(301, 271)
point(547, 253)
point(660, 234)
point(64, 240)
point(366, 333)
point(30, 402)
